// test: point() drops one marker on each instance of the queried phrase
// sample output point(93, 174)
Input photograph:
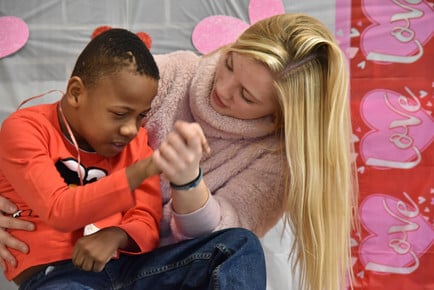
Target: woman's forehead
point(253, 75)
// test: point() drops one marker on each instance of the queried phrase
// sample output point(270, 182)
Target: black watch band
point(190, 185)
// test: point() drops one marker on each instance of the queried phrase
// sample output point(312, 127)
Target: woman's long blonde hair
point(311, 80)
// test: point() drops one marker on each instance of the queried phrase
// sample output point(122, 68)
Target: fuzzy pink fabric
point(241, 171)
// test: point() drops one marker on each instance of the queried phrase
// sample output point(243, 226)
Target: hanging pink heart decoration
point(215, 31)
point(14, 34)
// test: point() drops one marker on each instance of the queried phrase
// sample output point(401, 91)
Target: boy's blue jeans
point(227, 259)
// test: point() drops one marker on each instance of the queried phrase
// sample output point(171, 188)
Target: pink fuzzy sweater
point(242, 172)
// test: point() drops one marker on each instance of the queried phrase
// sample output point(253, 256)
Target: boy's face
point(110, 113)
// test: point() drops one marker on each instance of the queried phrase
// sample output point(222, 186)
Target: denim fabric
point(227, 259)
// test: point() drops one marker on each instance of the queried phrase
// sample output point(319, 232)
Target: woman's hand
point(7, 240)
point(93, 252)
point(179, 155)
point(178, 158)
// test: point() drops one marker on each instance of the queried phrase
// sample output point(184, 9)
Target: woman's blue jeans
point(227, 259)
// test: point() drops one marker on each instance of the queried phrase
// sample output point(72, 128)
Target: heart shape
point(146, 38)
point(399, 235)
point(216, 31)
point(398, 32)
point(219, 30)
point(401, 129)
point(14, 34)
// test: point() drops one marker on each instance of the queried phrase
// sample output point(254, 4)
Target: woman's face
point(243, 88)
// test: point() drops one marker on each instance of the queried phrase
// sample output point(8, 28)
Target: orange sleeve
point(25, 149)
point(142, 222)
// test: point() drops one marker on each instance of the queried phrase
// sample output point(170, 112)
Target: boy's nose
point(130, 129)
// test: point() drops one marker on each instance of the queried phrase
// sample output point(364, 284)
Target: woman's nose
point(228, 90)
point(226, 96)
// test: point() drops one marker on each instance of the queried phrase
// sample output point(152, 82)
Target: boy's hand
point(93, 252)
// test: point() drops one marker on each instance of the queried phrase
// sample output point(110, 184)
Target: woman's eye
point(229, 62)
point(246, 99)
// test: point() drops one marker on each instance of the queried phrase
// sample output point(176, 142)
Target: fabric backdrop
point(390, 53)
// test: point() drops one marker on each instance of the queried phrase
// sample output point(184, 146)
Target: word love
point(399, 30)
point(399, 235)
point(401, 129)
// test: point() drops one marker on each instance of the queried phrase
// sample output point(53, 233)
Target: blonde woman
point(274, 109)
point(313, 122)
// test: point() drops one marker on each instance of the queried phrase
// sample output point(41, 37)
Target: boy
point(85, 159)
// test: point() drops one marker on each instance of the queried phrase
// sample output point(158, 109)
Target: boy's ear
point(74, 91)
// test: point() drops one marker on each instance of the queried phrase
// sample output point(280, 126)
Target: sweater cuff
point(199, 222)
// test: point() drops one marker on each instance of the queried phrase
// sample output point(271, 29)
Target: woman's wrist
point(189, 185)
point(188, 201)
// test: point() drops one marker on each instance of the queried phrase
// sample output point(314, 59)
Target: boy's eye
point(120, 114)
point(144, 114)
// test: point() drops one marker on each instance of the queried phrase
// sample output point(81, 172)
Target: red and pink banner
point(390, 46)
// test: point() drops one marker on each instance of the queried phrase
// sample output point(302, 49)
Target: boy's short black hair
point(110, 52)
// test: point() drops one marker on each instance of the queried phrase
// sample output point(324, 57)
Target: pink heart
point(399, 31)
point(399, 234)
point(218, 30)
point(13, 35)
point(260, 9)
point(401, 129)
